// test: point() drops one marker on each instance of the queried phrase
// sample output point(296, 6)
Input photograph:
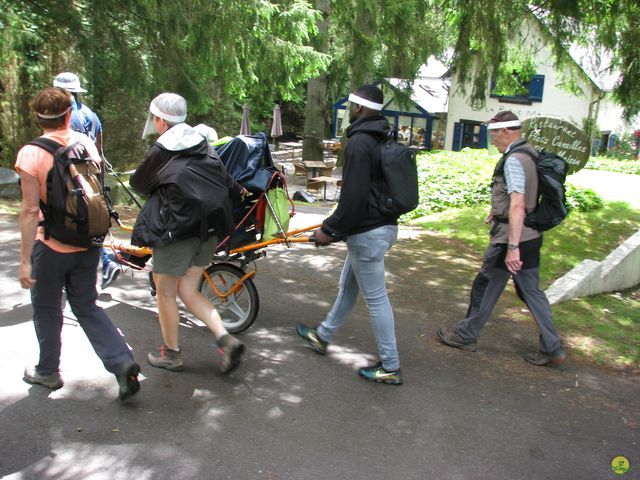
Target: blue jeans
point(75, 273)
point(364, 270)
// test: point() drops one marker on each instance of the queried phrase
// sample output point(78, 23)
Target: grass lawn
point(605, 328)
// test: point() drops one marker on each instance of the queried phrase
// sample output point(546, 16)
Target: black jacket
point(357, 209)
point(191, 195)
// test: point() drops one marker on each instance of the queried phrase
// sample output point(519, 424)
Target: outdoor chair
point(299, 169)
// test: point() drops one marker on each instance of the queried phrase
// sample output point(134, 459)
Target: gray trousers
point(486, 290)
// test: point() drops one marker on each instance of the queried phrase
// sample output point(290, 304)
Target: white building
point(545, 97)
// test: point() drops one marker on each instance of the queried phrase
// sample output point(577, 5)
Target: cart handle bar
point(142, 251)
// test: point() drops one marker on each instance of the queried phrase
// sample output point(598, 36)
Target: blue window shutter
point(612, 141)
point(483, 136)
point(457, 136)
point(536, 88)
point(428, 132)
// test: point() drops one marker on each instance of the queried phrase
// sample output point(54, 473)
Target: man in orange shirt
point(47, 266)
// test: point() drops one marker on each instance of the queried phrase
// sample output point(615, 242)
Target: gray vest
point(500, 199)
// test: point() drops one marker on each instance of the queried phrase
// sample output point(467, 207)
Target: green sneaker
point(311, 336)
point(376, 373)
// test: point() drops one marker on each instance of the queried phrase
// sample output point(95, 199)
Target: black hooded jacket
point(357, 210)
point(190, 195)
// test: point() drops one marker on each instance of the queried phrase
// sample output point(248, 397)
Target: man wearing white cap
point(369, 235)
point(173, 227)
point(84, 120)
point(514, 248)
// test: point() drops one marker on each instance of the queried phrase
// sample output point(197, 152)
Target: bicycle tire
point(239, 310)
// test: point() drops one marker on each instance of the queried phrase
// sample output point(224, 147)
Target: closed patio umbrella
point(276, 127)
point(244, 126)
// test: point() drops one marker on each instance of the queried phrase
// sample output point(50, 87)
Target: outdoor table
point(314, 165)
point(324, 181)
point(290, 144)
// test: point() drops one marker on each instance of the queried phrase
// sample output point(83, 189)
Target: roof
point(430, 90)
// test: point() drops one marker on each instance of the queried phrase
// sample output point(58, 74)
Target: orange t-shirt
point(37, 162)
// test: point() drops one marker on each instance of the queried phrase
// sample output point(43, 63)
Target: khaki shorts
point(175, 258)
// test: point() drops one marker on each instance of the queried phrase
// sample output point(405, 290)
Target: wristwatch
point(513, 246)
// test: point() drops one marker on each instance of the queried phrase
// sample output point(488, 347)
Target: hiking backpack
point(551, 205)
point(77, 208)
point(400, 178)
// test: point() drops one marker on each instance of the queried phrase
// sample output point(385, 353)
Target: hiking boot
point(451, 338)
point(231, 350)
point(110, 274)
point(128, 381)
point(166, 358)
point(53, 381)
point(311, 336)
point(541, 359)
point(377, 373)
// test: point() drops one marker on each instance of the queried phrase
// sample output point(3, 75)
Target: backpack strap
point(51, 146)
point(519, 148)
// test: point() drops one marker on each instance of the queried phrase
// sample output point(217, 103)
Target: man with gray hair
point(514, 248)
point(169, 224)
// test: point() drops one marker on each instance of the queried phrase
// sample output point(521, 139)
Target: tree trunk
point(317, 104)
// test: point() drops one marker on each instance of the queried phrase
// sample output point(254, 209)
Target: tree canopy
point(219, 54)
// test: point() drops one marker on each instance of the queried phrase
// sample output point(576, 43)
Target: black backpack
point(77, 208)
point(551, 207)
point(400, 178)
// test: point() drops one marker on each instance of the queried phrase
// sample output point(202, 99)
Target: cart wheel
point(238, 310)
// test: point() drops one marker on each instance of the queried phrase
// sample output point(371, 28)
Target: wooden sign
point(558, 136)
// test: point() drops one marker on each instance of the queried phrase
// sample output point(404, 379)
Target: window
point(528, 92)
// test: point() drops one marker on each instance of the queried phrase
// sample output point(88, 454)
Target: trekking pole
point(114, 174)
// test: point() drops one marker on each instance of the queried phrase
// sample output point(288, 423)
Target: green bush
point(583, 199)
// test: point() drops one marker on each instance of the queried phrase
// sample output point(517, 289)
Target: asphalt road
point(287, 413)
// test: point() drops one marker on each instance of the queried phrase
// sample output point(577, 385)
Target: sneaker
point(166, 358)
point(541, 359)
point(128, 381)
point(53, 381)
point(231, 350)
point(451, 338)
point(311, 336)
point(377, 373)
point(110, 274)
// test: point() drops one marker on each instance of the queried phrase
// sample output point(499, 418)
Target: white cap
point(167, 106)
point(69, 81)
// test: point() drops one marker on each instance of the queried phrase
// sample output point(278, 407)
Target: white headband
point(498, 125)
point(364, 102)
point(51, 116)
point(169, 118)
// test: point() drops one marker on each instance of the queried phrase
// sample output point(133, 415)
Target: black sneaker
point(377, 373)
point(451, 338)
point(231, 350)
point(311, 336)
point(542, 359)
point(166, 358)
point(128, 381)
point(53, 381)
